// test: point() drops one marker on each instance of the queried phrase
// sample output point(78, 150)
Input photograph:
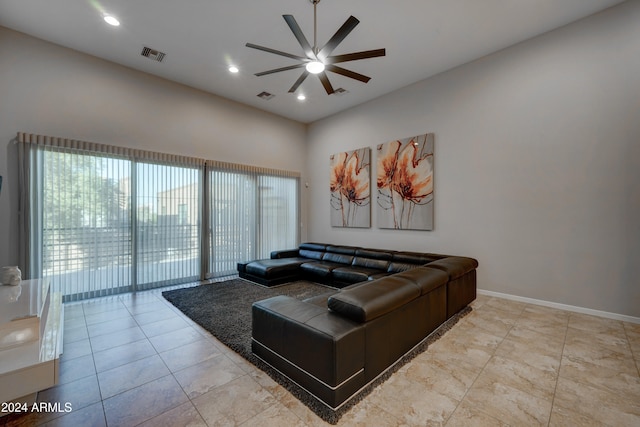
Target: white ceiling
point(201, 38)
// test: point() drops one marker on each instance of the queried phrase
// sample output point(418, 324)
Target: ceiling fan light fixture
point(301, 97)
point(233, 69)
point(315, 67)
point(111, 20)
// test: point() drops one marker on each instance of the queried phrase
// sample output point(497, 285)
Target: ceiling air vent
point(153, 54)
point(265, 95)
point(340, 91)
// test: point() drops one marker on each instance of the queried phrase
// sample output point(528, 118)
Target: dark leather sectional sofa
point(335, 344)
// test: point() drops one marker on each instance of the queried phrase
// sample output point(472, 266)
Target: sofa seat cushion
point(373, 299)
point(273, 268)
point(353, 274)
point(319, 268)
point(425, 278)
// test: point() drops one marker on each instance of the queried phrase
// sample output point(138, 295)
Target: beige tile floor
point(134, 360)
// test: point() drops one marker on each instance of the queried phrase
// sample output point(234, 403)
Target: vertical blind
point(278, 214)
point(167, 221)
point(97, 219)
point(247, 206)
point(86, 230)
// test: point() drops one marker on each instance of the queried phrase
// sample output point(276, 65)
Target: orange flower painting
point(405, 183)
point(349, 184)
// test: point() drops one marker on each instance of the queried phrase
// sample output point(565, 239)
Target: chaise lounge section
point(334, 345)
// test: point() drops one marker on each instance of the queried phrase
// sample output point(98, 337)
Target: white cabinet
point(31, 325)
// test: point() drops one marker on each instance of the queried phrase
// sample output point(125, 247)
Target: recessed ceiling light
point(315, 67)
point(111, 20)
point(233, 69)
point(301, 97)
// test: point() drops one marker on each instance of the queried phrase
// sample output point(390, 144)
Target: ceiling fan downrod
point(315, 27)
point(316, 65)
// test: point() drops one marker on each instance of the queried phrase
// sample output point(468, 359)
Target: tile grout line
point(140, 385)
point(104, 413)
point(482, 370)
point(189, 399)
point(474, 381)
point(245, 374)
point(633, 355)
point(555, 389)
point(95, 374)
point(380, 408)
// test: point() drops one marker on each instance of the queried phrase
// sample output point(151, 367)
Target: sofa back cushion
point(339, 258)
point(412, 258)
point(373, 299)
point(306, 253)
point(312, 250)
point(378, 264)
point(374, 254)
point(345, 250)
point(425, 278)
point(455, 266)
point(313, 246)
point(397, 267)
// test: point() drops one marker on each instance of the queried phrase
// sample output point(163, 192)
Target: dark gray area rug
point(224, 309)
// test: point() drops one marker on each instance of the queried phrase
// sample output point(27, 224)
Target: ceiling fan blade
point(325, 82)
point(355, 56)
point(348, 73)
point(334, 41)
point(295, 29)
point(277, 52)
point(277, 70)
point(299, 81)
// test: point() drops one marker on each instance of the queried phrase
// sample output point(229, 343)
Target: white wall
point(537, 164)
point(50, 90)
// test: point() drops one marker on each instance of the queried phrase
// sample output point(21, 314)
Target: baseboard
point(559, 306)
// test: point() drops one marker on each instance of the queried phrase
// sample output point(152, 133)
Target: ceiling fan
point(318, 60)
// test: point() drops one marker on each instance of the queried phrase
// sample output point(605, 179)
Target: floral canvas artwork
point(349, 184)
point(405, 183)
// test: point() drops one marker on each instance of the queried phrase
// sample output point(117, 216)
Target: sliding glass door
point(98, 220)
point(167, 220)
point(113, 225)
point(232, 218)
point(251, 213)
point(278, 220)
point(86, 229)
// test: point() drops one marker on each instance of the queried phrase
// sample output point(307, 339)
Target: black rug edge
point(326, 413)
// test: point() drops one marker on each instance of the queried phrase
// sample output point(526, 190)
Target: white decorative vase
point(10, 275)
point(10, 293)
